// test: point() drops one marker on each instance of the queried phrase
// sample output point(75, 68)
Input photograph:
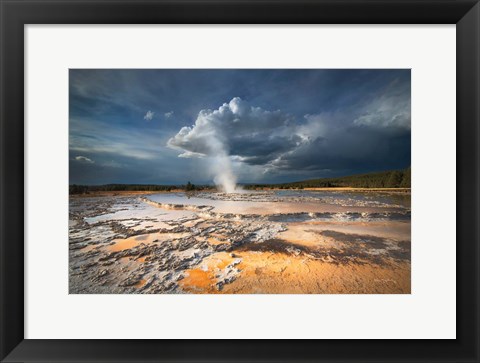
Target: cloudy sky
point(174, 126)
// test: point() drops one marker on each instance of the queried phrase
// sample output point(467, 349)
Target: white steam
point(218, 161)
point(221, 167)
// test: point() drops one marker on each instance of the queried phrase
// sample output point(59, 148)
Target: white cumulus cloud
point(236, 128)
point(84, 159)
point(149, 115)
point(392, 108)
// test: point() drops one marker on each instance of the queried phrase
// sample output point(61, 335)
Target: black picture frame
point(15, 14)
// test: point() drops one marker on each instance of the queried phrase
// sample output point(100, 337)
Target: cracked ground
point(242, 243)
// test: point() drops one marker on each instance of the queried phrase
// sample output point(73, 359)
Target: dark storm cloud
point(349, 150)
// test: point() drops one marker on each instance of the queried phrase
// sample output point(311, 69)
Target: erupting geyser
point(224, 177)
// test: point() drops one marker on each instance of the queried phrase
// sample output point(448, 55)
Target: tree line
point(85, 189)
point(384, 179)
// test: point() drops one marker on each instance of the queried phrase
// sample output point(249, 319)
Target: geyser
point(222, 169)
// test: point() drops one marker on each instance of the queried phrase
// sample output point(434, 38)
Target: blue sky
point(172, 126)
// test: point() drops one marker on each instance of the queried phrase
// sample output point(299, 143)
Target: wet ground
point(250, 242)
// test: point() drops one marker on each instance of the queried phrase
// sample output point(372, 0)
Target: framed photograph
point(240, 181)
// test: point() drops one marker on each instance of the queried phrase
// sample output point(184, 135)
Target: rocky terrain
point(138, 244)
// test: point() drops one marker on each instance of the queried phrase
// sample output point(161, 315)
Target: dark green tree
point(189, 187)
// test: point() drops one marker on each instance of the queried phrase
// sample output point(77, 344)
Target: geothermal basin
point(263, 242)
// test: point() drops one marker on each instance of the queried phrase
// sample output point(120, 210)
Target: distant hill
point(384, 179)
